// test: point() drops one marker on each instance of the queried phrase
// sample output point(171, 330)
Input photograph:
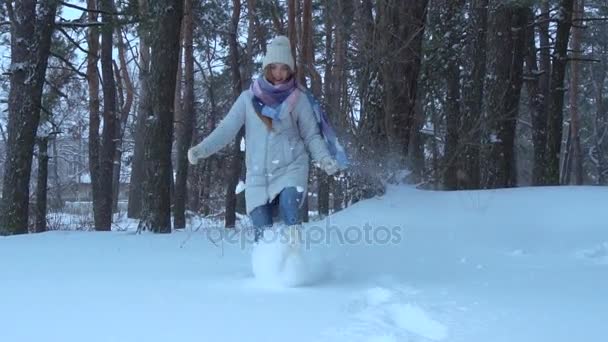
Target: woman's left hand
point(329, 165)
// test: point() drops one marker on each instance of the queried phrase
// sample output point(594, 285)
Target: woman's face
point(279, 73)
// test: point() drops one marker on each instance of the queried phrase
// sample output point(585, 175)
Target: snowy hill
point(527, 264)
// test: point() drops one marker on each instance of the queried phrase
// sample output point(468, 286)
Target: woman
point(280, 128)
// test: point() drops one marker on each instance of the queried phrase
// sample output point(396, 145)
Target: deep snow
point(527, 264)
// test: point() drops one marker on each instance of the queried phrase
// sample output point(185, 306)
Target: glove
point(329, 165)
point(194, 155)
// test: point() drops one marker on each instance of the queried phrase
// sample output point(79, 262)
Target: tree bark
point(541, 100)
point(166, 18)
point(41, 184)
point(402, 27)
point(600, 131)
point(236, 159)
point(127, 94)
point(30, 48)
point(184, 133)
point(556, 106)
point(136, 182)
point(453, 11)
point(323, 181)
point(576, 150)
point(291, 29)
point(506, 58)
point(102, 203)
point(473, 97)
point(94, 102)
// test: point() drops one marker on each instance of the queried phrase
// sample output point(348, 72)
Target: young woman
point(280, 133)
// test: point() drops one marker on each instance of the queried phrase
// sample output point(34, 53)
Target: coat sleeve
point(309, 131)
point(226, 131)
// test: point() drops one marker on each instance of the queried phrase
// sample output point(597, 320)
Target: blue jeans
point(289, 200)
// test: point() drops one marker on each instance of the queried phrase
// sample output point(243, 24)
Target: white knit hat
point(279, 51)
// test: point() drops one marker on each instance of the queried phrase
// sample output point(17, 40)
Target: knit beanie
point(279, 51)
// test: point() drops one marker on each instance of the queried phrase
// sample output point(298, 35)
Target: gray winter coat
point(274, 159)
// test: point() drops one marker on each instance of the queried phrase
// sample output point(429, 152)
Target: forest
point(100, 101)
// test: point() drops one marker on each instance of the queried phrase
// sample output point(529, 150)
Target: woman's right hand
point(194, 155)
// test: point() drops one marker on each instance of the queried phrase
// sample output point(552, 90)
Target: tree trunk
point(166, 18)
point(127, 94)
point(536, 93)
point(473, 97)
point(31, 31)
point(576, 151)
point(57, 202)
point(417, 141)
point(453, 12)
point(556, 106)
point(308, 63)
point(136, 182)
point(291, 29)
point(541, 96)
point(505, 56)
point(402, 28)
point(236, 159)
point(102, 204)
point(184, 133)
point(94, 102)
point(41, 184)
point(323, 181)
point(340, 104)
point(601, 121)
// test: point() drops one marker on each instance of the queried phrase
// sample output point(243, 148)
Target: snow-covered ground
point(526, 264)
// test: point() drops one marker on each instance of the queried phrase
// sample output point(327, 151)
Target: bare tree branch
point(582, 59)
point(68, 64)
point(72, 40)
point(56, 89)
point(84, 9)
point(77, 23)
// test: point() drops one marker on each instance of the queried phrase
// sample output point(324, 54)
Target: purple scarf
point(272, 95)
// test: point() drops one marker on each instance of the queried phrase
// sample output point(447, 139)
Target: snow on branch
point(77, 23)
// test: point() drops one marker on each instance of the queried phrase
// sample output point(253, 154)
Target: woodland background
point(100, 100)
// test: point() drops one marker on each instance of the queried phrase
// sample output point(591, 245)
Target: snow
point(526, 264)
point(240, 187)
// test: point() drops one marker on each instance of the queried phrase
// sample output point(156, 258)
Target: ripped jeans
point(288, 202)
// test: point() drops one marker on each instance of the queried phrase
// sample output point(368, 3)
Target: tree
point(102, 171)
point(538, 69)
point(137, 164)
point(164, 18)
point(400, 31)
point(451, 38)
point(556, 105)
point(576, 164)
point(186, 122)
point(236, 161)
point(41, 184)
point(473, 91)
point(32, 25)
point(505, 76)
point(126, 92)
